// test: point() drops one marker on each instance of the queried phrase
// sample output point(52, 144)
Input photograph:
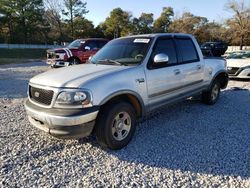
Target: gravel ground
point(184, 145)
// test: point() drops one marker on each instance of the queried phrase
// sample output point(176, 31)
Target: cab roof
point(101, 39)
point(154, 35)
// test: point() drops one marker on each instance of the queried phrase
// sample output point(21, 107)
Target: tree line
point(50, 21)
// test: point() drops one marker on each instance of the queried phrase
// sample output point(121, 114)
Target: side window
point(92, 45)
point(101, 44)
point(187, 50)
point(167, 47)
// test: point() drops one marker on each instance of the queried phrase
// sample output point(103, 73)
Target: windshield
point(238, 55)
point(124, 51)
point(75, 44)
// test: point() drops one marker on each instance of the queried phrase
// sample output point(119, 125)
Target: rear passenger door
point(191, 66)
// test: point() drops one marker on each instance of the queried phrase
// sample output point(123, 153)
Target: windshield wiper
point(110, 61)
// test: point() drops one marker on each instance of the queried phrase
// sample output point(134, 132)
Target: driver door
point(92, 49)
point(163, 80)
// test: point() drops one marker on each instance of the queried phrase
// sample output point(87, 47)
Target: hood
point(238, 62)
point(60, 50)
point(74, 76)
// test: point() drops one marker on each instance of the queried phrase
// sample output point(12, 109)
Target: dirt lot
point(184, 145)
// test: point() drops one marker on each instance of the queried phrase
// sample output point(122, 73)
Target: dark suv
point(216, 49)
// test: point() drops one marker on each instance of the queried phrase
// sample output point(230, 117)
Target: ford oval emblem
point(37, 94)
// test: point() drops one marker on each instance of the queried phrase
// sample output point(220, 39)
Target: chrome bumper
point(66, 126)
point(57, 63)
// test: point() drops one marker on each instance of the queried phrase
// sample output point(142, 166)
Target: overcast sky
point(212, 9)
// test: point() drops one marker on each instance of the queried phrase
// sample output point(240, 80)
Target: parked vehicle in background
point(238, 64)
point(129, 78)
point(76, 52)
point(215, 49)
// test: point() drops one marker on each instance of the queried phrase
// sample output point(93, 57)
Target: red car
point(76, 52)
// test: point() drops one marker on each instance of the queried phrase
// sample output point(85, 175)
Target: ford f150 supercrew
point(76, 52)
point(127, 79)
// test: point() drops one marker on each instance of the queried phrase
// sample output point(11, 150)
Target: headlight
point(73, 98)
point(247, 67)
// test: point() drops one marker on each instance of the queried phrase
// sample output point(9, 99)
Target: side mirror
point(87, 48)
point(161, 58)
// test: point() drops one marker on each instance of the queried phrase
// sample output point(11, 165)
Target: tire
point(115, 126)
point(74, 61)
point(211, 96)
point(53, 66)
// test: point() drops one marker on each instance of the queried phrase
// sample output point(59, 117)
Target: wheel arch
point(129, 96)
point(74, 57)
point(222, 76)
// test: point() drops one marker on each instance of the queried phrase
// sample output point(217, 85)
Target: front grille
point(51, 55)
point(232, 70)
point(41, 96)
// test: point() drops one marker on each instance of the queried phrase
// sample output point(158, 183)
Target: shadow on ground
point(194, 137)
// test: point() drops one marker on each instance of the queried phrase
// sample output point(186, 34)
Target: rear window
point(187, 50)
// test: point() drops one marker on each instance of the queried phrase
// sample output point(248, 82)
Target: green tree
point(146, 23)
point(117, 24)
point(99, 33)
point(3, 30)
point(143, 24)
point(83, 28)
point(23, 18)
point(135, 26)
point(162, 23)
point(7, 18)
point(73, 9)
point(29, 18)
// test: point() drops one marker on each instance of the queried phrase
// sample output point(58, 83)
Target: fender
point(122, 92)
point(217, 73)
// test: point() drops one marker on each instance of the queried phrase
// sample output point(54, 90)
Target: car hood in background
point(238, 62)
point(74, 76)
point(60, 50)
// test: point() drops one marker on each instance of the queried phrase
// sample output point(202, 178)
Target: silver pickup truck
point(127, 79)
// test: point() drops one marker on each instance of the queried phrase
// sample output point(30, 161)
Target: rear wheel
point(211, 96)
point(115, 125)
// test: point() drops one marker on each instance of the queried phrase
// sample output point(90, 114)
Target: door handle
point(198, 67)
point(140, 80)
point(177, 71)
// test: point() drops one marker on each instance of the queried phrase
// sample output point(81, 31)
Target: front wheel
point(74, 61)
point(211, 96)
point(115, 125)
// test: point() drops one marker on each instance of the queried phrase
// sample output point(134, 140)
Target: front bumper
point(62, 123)
point(57, 63)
